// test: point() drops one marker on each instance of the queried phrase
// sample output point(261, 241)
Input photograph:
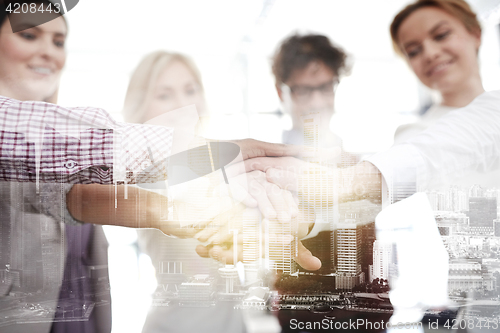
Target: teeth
point(42, 70)
point(439, 67)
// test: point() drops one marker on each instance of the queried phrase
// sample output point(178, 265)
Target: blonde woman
point(161, 83)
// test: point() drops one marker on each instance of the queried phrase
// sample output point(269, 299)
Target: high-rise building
point(348, 255)
point(25, 254)
point(368, 238)
point(463, 201)
point(482, 212)
point(404, 184)
point(452, 199)
point(5, 227)
point(382, 260)
point(496, 223)
point(53, 253)
point(476, 191)
point(433, 199)
point(253, 250)
point(280, 255)
point(320, 176)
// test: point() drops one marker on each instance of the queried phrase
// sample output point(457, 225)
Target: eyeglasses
point(303, 93)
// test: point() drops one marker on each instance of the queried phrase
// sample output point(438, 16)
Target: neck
point(15, 90)
point(463, 96)
point(5, 91)
point(13, 93)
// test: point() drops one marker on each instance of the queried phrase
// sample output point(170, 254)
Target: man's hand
point(253, 190)
point(221, 247)
point(251, 148)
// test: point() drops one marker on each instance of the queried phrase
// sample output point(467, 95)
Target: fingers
point(240, 193)
point(202, 251)
point(272, 201)
point(222, 248)
point(305, 258)
point(205, 234)
point(222, 228)
point(283, 203)
point(278, 201)
point(282, 163)
point(259, 192)
point(173, 229)
point(220, 253)
point(307, 217)
point(292, 203)
point(225, 254)
point(284, 179)
point(252, 148)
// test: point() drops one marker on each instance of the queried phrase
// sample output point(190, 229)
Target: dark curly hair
point(298, 51)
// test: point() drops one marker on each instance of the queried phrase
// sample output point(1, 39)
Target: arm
point(96, 204)
point(463, 141)
point(84, 145)
point(52, 144)
point(48, 143)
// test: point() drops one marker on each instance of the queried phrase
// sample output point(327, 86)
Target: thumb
point(306, 260)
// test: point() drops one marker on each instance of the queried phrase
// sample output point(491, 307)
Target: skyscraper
point(476, 191)
point(348, 255)
point(382, 259)
point(482, 212)
point(321, 209)
point(404, 184)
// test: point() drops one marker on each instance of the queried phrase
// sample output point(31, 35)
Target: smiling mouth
point(41, 70)
point(439, 68)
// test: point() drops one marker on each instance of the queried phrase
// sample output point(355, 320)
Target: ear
point(280, 92)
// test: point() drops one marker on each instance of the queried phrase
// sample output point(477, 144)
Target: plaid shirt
point(76, 145)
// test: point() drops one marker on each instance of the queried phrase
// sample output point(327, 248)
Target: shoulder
point(407, 131)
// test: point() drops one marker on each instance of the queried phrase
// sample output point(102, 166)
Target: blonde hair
point(457, 8)
point(144, 78)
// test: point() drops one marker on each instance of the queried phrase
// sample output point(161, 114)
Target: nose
point(431, 50)
point(178, 101)
point(47, 49)
point(319, 101)
point(183, 100)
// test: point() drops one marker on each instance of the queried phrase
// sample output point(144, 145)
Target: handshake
point(260, 205)
point(274, 191)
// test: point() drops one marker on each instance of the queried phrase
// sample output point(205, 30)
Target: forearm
point(108, 205)
point(463, 141)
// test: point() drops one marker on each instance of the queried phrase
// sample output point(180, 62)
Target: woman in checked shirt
point(39, 254)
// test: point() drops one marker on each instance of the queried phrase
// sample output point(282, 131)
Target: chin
point(40, 92)
point(447, 85)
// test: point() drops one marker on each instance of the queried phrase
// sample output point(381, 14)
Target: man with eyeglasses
point(307, 69)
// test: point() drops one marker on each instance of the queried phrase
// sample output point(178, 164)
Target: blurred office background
point(232, 42)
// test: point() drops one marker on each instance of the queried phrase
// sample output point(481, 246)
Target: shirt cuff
point(401, 161)
point(53, 202)
point(141, 151)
